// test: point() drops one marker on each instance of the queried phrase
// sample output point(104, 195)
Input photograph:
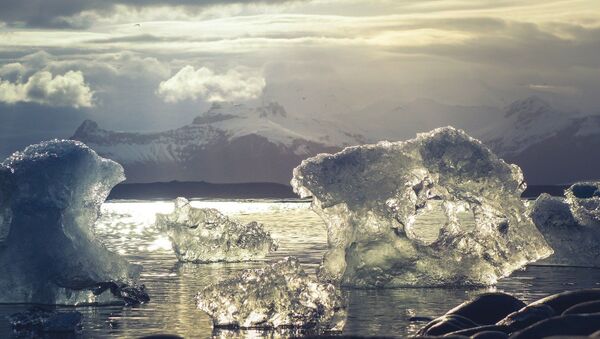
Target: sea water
point(126, 227)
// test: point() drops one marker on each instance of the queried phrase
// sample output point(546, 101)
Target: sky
point(156, 64)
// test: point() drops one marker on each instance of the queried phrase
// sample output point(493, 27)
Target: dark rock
point(436, 337)
point(567, 325)
point(446, 324)
point(131, 294)
point(490, 335)
point(134, 295)
point(584, 308)
point(486, 328)
point(488, 308)
point(562, 301)
point(526, 316)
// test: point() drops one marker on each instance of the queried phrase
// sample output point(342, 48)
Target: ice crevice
point(437, 210)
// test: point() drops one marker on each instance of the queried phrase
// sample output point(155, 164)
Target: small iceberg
point(205, 235)
point(280, 295)
point(437, 210)
point(571, 225)
point(50, 197)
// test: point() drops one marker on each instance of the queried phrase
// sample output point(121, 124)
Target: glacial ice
point(280, 295)
point(204, 235)
point(440, 209)
point(584, 201)
point(571, 225)
point(50, 197)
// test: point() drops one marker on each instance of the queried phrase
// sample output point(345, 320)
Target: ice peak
point(87, 127)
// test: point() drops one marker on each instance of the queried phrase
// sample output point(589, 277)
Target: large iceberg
point(571, 225)
point(203, 235)
point(50, 197)
point(280, 295)
point(440, 209)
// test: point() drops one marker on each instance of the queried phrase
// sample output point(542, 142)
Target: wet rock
point(584, 308)
point(476, 330)
point(488, 308)
point(526, 316)
point(490, 335)
point(562, 301)
point(445, 324)
point(567, 325)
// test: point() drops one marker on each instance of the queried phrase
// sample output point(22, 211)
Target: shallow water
point(126, 227)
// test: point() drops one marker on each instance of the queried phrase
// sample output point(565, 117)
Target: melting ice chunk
point(571, 225)
point(204, 235)
point(584, 201)
point(50, 197)
point(276, 296)
point(440, 209)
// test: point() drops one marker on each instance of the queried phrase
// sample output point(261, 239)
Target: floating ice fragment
point(50, 197)
point(584, 201)
point(204, 235)
point(571, 225)
point(276, 296)
point(440, 209)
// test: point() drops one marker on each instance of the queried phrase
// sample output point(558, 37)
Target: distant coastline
point(201, 189)
point(254, 190)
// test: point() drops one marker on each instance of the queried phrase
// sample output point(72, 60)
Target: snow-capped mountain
point(229, 143)
point(238, 143)
point(550, 145)
point(526, 122)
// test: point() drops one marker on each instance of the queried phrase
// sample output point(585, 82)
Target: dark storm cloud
point(56, 13)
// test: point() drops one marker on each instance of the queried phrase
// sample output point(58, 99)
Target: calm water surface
point(126, 227)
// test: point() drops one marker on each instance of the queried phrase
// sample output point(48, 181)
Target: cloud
point(68, 90)
point(191, 84)
point(82, 13)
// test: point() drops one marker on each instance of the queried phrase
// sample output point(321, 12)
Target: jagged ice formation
point(50, 197)
point(571, 225)
point(204, 235)
point(276, 296)
point(437, 210)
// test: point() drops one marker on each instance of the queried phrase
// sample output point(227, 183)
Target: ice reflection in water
point(127, 228)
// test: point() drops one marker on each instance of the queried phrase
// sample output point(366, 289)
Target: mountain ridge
point(237, 143)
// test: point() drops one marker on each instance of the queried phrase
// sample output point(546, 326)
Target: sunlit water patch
point(127, 227)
